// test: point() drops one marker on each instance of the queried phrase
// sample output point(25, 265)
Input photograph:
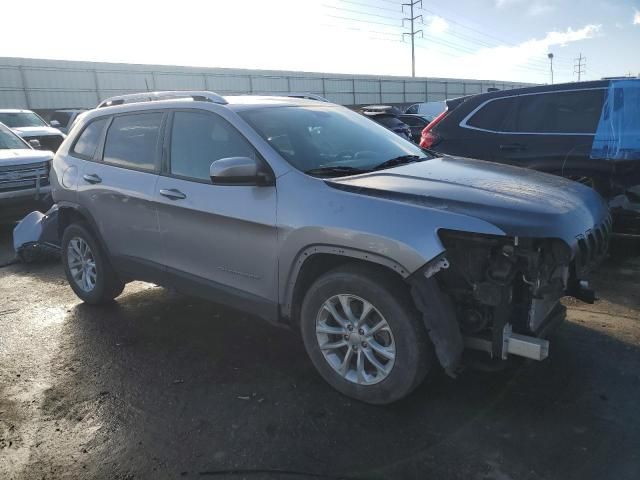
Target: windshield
point(9, 140)
point(21, 119)
point(317, 137)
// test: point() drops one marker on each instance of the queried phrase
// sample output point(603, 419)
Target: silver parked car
point(24, 177)
point(308, 214)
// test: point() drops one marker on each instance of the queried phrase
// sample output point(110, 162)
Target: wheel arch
point(314, 261)
point(69, 213)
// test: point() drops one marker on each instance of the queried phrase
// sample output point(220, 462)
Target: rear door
point(218, 239)
point(553, 131)
point(118, 191)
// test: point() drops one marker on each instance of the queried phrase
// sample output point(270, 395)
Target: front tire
point(87, 267)
point(363, 334)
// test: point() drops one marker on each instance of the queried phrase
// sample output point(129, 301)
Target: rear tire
point(351, 351)
point(87, 267)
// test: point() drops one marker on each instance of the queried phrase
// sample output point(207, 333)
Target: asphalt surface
point(159, 385)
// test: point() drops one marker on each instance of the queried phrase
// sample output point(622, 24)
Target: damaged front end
point(503, 293)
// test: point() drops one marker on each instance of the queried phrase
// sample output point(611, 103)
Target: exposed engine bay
point(505, 292)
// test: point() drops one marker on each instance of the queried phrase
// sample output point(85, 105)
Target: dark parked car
point(587, 131)
point(388, 117)
point(416, 124)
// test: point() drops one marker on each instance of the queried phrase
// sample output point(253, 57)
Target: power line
point(529, 65)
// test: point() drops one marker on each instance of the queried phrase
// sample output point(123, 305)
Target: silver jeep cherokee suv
point(306, 213)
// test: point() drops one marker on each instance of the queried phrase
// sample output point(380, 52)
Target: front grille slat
point(22, 177)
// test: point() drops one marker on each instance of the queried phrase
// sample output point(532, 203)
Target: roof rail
point(199, 96)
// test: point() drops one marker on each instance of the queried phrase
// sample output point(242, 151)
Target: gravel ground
point(160, 385)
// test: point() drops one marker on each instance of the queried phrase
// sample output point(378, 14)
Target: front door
point(219, 240)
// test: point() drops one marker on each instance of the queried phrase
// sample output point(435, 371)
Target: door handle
point(513, 146)
point(91, 178)
point(172, 194)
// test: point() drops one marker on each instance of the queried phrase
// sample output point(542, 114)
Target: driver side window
point(199, 138)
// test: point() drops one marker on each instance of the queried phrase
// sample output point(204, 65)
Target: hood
point(23, 156)
point(28, 132)
point(521, 202)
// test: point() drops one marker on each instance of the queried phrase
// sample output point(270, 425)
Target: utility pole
point(580, 66)
point(550, 55)
point(413, 32)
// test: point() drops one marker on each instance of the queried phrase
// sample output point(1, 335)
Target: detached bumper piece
point(35, 238)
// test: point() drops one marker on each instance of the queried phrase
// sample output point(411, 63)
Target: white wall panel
point(10, 77)
point(341, 98)
point(166, 81)
point(312, 85)
point(231, 83)
point(269, 84)
point(392, 98)
point(392, 86)
point(40, 99)
point(13, 99)
point(124, 81)
point(415, 97)
point(416, 87)
point(51, 84)
point(367, 86)
point(337, 86)
point(59, 79)
point(370, 98)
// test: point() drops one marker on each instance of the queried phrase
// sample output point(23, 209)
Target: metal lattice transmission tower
point(412, 20)
point(580, 66)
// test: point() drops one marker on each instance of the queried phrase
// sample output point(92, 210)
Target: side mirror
point(35, 143)
point(55, 123)
point(239, 171)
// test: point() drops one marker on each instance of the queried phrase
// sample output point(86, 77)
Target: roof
point(271, 100)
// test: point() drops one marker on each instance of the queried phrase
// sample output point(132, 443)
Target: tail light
point(428, 138)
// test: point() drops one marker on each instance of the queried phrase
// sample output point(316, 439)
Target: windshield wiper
point(335, 171)
point(401, 160)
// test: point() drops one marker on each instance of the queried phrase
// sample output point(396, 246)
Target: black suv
point(585, 131)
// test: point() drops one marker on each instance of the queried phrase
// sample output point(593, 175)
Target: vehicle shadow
point(163, 385)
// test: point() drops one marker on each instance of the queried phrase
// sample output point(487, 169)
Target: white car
point(24, 177)
point(427, 109)
point(30, 126)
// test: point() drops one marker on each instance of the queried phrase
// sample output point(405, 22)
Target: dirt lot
point(164, 386)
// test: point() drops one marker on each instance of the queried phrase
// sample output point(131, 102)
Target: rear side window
point(87, 143)
point(495, 115)
point(412, 109)
point(197, 139)
point(132, 141)
point(562, 112)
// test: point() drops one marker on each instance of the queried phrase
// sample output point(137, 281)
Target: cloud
point(537, 9)
point(437, 25)
point(506, 3)
point(636, 17)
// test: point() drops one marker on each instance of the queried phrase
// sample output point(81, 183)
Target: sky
point(475, 39)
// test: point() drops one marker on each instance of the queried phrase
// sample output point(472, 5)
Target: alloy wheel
point(82, 264)
point(355, 339)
